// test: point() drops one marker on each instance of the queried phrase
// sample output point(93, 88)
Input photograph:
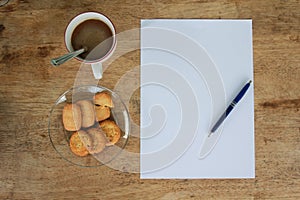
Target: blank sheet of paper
point(190, 72)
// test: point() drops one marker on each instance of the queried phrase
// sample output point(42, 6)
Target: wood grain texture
point(31, 33)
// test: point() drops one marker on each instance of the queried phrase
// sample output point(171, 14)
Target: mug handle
point(97, 70)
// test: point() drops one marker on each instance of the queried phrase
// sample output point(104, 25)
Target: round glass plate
point(60, 137)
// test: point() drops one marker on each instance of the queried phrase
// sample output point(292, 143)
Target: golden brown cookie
point(87, 113)
point(76, 144)
point(102, 112)
point(103, 99)
point(112, 131)
point(72, 117)
point(98, 140)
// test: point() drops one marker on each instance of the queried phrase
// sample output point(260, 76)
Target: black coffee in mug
point(96, 36)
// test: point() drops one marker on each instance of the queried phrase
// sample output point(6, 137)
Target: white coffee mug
point(95, 64)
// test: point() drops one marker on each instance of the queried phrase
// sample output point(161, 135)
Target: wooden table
point(31, 33)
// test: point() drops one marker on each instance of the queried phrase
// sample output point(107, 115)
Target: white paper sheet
point(190, 72)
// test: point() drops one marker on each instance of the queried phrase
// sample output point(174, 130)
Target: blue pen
point(230, 107)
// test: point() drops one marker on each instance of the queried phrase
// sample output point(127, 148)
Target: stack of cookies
point(91, 124)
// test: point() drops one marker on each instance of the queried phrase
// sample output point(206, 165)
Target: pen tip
point(250, 81)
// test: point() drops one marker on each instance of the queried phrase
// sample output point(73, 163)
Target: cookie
point(87, 113)
point(102, 112)
point(72, 117)
point(98, 140)
point(103, 99)
point(112, 131)
point(76, 144)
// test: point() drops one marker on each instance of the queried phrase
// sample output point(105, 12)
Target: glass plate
point(59, 137)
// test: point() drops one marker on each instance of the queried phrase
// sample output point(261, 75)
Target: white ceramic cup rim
point(81, 18)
